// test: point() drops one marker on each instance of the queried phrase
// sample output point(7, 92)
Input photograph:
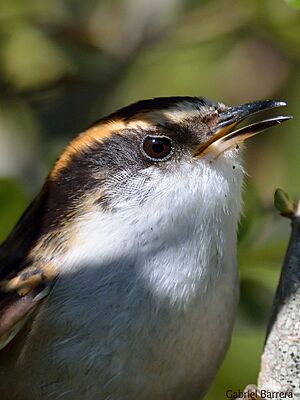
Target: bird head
point(149, 148)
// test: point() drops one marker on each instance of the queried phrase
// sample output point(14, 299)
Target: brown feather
point(15, 310)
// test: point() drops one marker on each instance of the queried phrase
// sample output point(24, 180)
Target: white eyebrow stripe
point(185, 110)
point(179, 115)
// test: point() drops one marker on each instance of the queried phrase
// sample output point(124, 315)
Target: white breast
point(146, 299)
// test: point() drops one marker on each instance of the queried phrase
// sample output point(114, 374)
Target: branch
point(280, 361)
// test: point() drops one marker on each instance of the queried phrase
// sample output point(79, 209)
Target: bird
point(120, 280)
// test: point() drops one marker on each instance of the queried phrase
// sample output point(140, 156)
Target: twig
point(279, 375)
point(280, 362)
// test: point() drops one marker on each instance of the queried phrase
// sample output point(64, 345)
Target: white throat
point(178, 241)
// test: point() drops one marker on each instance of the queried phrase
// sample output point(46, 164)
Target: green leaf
point(284, 203)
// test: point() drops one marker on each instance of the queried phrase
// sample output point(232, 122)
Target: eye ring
point(157, 148)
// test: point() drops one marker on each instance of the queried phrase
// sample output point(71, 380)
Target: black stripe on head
point(157, 103)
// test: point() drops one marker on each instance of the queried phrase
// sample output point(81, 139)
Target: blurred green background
point(65, 63)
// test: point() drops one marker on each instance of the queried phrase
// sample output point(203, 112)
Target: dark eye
point(157, 148)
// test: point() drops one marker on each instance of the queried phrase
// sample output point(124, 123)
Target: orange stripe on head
point(85, 140)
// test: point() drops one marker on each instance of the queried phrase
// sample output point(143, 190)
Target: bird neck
point(179, 245)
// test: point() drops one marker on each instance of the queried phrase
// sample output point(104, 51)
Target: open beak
point(225, 137)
